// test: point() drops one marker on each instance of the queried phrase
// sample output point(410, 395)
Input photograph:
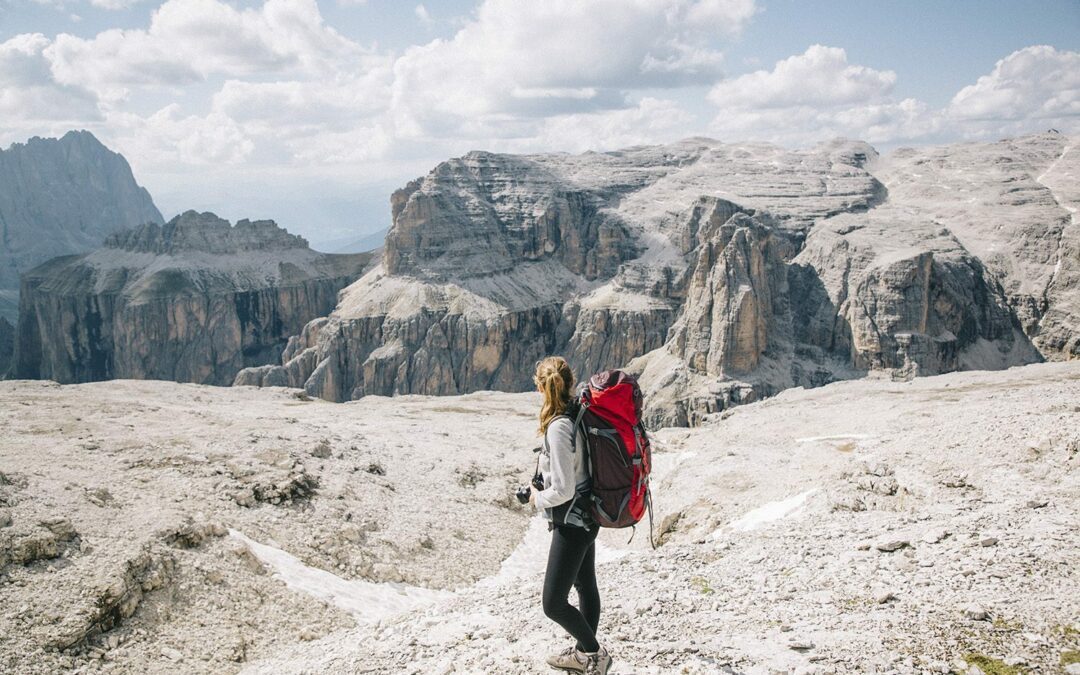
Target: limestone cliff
point(494, 261)
point(58, 197)
point(7, 346)
point(719, 273)
point(194, 300)
point(1012, 204)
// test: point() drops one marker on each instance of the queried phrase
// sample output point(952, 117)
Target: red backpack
point(620, 457)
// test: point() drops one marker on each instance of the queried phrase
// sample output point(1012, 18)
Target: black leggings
point(572, 562)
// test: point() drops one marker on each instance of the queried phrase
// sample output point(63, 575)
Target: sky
point(311, 112)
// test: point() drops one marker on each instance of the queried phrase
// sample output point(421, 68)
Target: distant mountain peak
point(60, 196)
point(195, 231)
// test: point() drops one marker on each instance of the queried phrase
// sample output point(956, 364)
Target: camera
point(522, 494)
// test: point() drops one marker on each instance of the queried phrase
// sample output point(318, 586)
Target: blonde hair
point(555, 379)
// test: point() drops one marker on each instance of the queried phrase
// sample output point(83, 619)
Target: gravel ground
point(866, 526)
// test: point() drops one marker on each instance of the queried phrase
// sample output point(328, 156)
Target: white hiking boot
point(597, 663)
point(569, 659)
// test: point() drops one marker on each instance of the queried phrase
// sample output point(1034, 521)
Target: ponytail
point(555, 380)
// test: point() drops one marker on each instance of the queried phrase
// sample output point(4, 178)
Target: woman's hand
point(532, 495)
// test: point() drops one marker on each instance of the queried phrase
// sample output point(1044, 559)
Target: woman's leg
point(568, 548)
point(587, 593)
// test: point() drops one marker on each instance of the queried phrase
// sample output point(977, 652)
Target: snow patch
point(837, 437)
point(368, 601)
point(530, 556)
point(768, 513)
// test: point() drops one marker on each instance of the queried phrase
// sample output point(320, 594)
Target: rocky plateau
point(720, 273)
point(194, 300)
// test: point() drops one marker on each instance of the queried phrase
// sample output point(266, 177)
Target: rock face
point(1011, 204)
point(194, 300)
point(7, 346)
point(719, 273)
point(59, 197)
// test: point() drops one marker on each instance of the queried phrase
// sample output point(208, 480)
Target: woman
point(572, 558)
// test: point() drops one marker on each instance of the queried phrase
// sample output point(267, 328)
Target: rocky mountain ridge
point(718, 272)
point(60, 196)
point(193, 300)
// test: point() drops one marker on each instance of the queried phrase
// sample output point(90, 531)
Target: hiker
point(572, 557)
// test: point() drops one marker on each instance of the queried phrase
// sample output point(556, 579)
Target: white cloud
point(274, 83)
point(884, 122)
point(209, 89)
point(190, 40)
point(821, 76)
point(285, 105)
point(114, 4)
point(815, 96)
point(169, 137)
point(424, 15)
point(652, 120)
point(603, 46)
point(1037, 83)
point(725, 16)
point(28, 94)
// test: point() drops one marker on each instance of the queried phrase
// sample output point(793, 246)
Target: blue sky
point(311, 113)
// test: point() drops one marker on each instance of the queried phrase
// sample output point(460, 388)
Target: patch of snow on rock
point(368, 601)
point(770, 512)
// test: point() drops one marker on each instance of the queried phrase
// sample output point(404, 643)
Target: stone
point(888, 544)
point(987, 542)
point(955, 481)
point(885, 486)
point(60, 196)
point(172, 654)
point(935, 535)
point(99, 497)
point(244, 497)
point(7, 345)
point(322, 450)
point(61, 527)
point(976, 612)
point(196, 299)
point(628, 258)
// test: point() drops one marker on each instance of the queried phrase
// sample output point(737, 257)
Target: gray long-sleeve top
point(562, 466)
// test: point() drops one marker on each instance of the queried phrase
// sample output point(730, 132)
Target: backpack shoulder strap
point(573, 433)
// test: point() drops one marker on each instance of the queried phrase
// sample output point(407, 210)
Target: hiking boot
point(597, 663)
point(569, 659)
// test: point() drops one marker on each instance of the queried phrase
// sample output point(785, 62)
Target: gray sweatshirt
point(562, 467)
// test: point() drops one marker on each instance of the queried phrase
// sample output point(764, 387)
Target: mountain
point(58, 197)
point(193, 300)
point(720, 273)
